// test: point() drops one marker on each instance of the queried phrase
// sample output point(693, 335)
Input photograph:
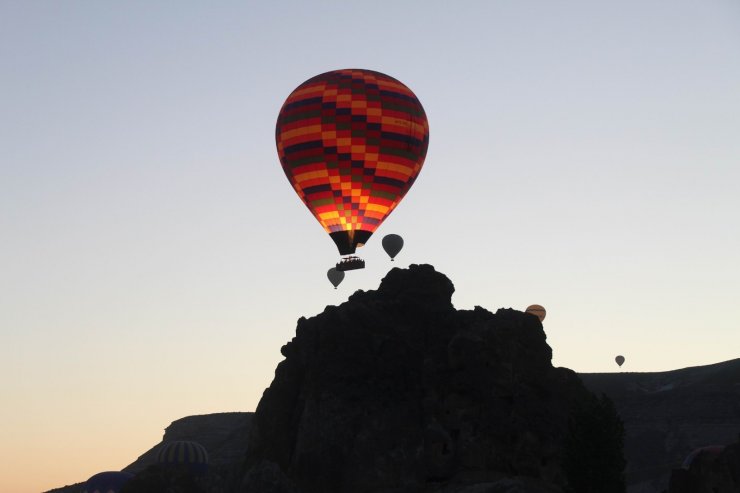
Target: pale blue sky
point(153, 257)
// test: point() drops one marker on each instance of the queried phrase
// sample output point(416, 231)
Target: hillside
point(668, 414)
point(224, 435)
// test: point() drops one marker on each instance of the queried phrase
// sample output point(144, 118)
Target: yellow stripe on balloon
point(398, 168)
point(311, 175)
point(297, 132)
point(377, 208)
point(325, 216)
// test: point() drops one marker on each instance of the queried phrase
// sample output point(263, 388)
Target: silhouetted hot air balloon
point(107, 482)
point(709, 451)
point(620, 360)
point(392, 244)
point(351, 143)
point(536, 310)
point(183, 453)
point(335, 277)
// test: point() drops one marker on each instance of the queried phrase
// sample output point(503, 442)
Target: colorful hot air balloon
point(536, 310)
point(392, 244)
point(335, 276)
point(107, 482)
point(351, 143)
point(620, 360)
point(183, 453)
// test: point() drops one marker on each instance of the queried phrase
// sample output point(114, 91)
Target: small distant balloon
point(620, 360)
point(392, 244)
point(335, 277)
point(107, 482)
point(536, 310)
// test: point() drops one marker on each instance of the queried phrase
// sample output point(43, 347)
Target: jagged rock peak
point(418, 283)
point(396, 391)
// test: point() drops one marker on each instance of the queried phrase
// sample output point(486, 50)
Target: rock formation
point(397, 391)
point(650, 404)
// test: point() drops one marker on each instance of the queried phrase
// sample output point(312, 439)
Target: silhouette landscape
point(396, 390)
point(245, 218)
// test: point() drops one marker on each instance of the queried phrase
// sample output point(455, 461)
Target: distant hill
point(224, 435)
point(668, 414)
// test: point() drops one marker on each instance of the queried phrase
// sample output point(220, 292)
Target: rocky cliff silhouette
point(397, 391)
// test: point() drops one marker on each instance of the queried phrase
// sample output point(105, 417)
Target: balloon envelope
point(392, 244)
point(335, 276)
point(620, 360)
point(537, 310)
point(107, 482)
point(351, 143)
point(710, 451)
point(190, 455)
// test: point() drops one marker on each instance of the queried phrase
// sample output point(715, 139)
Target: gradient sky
point(153, 256)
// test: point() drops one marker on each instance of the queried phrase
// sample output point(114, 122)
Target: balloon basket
point(350, 263)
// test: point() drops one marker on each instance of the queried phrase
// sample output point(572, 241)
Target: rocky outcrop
point(668, 414)
point(397, 391)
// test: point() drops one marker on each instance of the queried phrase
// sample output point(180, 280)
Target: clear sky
point(153, 257)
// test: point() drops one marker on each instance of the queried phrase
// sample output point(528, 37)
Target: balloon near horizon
point(536, 310)
point(619, 360)
point(107, 482)
point(351, 142)
point(707, 451)
point(184, 454)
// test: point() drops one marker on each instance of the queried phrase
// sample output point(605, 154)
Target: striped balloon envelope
point(191, 455)
point(107, 482)
point(351, 143)
point(709, 452)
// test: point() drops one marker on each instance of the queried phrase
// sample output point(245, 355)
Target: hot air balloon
point(536, 310)
point(107, 482)
point(189, 455)
point(392, 244)
point(335, 277)
point(351, 143)
point(620, 360)
point(709, 452)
